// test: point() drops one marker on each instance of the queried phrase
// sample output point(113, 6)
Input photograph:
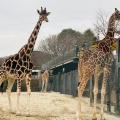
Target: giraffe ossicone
point(94, 61)
point(19, 66)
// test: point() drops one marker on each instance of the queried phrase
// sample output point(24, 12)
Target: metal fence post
point(59, 82)
point(117, 78)
point(108, 96)
point(91, 90)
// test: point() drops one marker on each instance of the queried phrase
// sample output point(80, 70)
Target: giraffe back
point(92, 58)
point(17, 65)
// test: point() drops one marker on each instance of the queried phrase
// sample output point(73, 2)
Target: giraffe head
point(43, 14)
point(117, 14)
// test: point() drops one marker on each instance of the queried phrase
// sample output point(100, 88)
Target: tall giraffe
point(96, 61)
point(19, 66)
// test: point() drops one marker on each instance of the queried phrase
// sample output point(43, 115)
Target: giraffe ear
point(48, 13)
point(39, 12)
point(116, 9)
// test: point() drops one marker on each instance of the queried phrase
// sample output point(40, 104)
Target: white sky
point(19, 17)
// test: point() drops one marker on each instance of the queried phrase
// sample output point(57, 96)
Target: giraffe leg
point(46, 85)
point(18, 95)
point(95, 97)
point(81, 88)
point(79, 113)
point(28, 79)
point(96, 77)
point(103, 90)
point(102, 104)
point(8, 91)
point(42, 86)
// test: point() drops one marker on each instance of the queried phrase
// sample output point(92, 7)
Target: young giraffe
point(19, 66)
point(96, 61)
point(45, 77)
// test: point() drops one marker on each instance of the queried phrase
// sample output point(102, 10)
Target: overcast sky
point(19, 17)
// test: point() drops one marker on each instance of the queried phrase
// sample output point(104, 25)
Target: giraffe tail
point(1, 88)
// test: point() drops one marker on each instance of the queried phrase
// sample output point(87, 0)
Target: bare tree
point(101, 24)
point(56, 45)
point(53, 46)
point(65, 43)
point(49, 46)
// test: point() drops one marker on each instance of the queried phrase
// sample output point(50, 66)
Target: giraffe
point(95, 61)
point(45, 77)
point(19, 66)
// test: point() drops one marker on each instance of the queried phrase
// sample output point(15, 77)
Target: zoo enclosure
point(66, 82)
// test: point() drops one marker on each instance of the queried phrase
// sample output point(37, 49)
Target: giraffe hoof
point(28, 115)
point(94, 118)
point(12, 112)
point(18, 114)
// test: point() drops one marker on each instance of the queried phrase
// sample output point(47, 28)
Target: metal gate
point(117, 89)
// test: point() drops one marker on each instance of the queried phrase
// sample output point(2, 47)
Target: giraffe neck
point(107, 43)
point(111, 27)
point(32, 40)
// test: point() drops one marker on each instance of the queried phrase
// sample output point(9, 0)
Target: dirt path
point(48, 106)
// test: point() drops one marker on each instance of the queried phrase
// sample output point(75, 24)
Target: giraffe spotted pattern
point(19, 66)
point(94, 61)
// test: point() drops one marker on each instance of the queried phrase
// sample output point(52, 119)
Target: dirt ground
point(48, 106)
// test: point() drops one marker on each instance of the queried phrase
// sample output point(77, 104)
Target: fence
point(65, 57)
point(66, 83)
point(118, 79)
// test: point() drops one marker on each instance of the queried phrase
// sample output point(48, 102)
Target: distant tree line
point(56, 45)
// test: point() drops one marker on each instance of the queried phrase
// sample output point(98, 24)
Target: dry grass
point(48, 106)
